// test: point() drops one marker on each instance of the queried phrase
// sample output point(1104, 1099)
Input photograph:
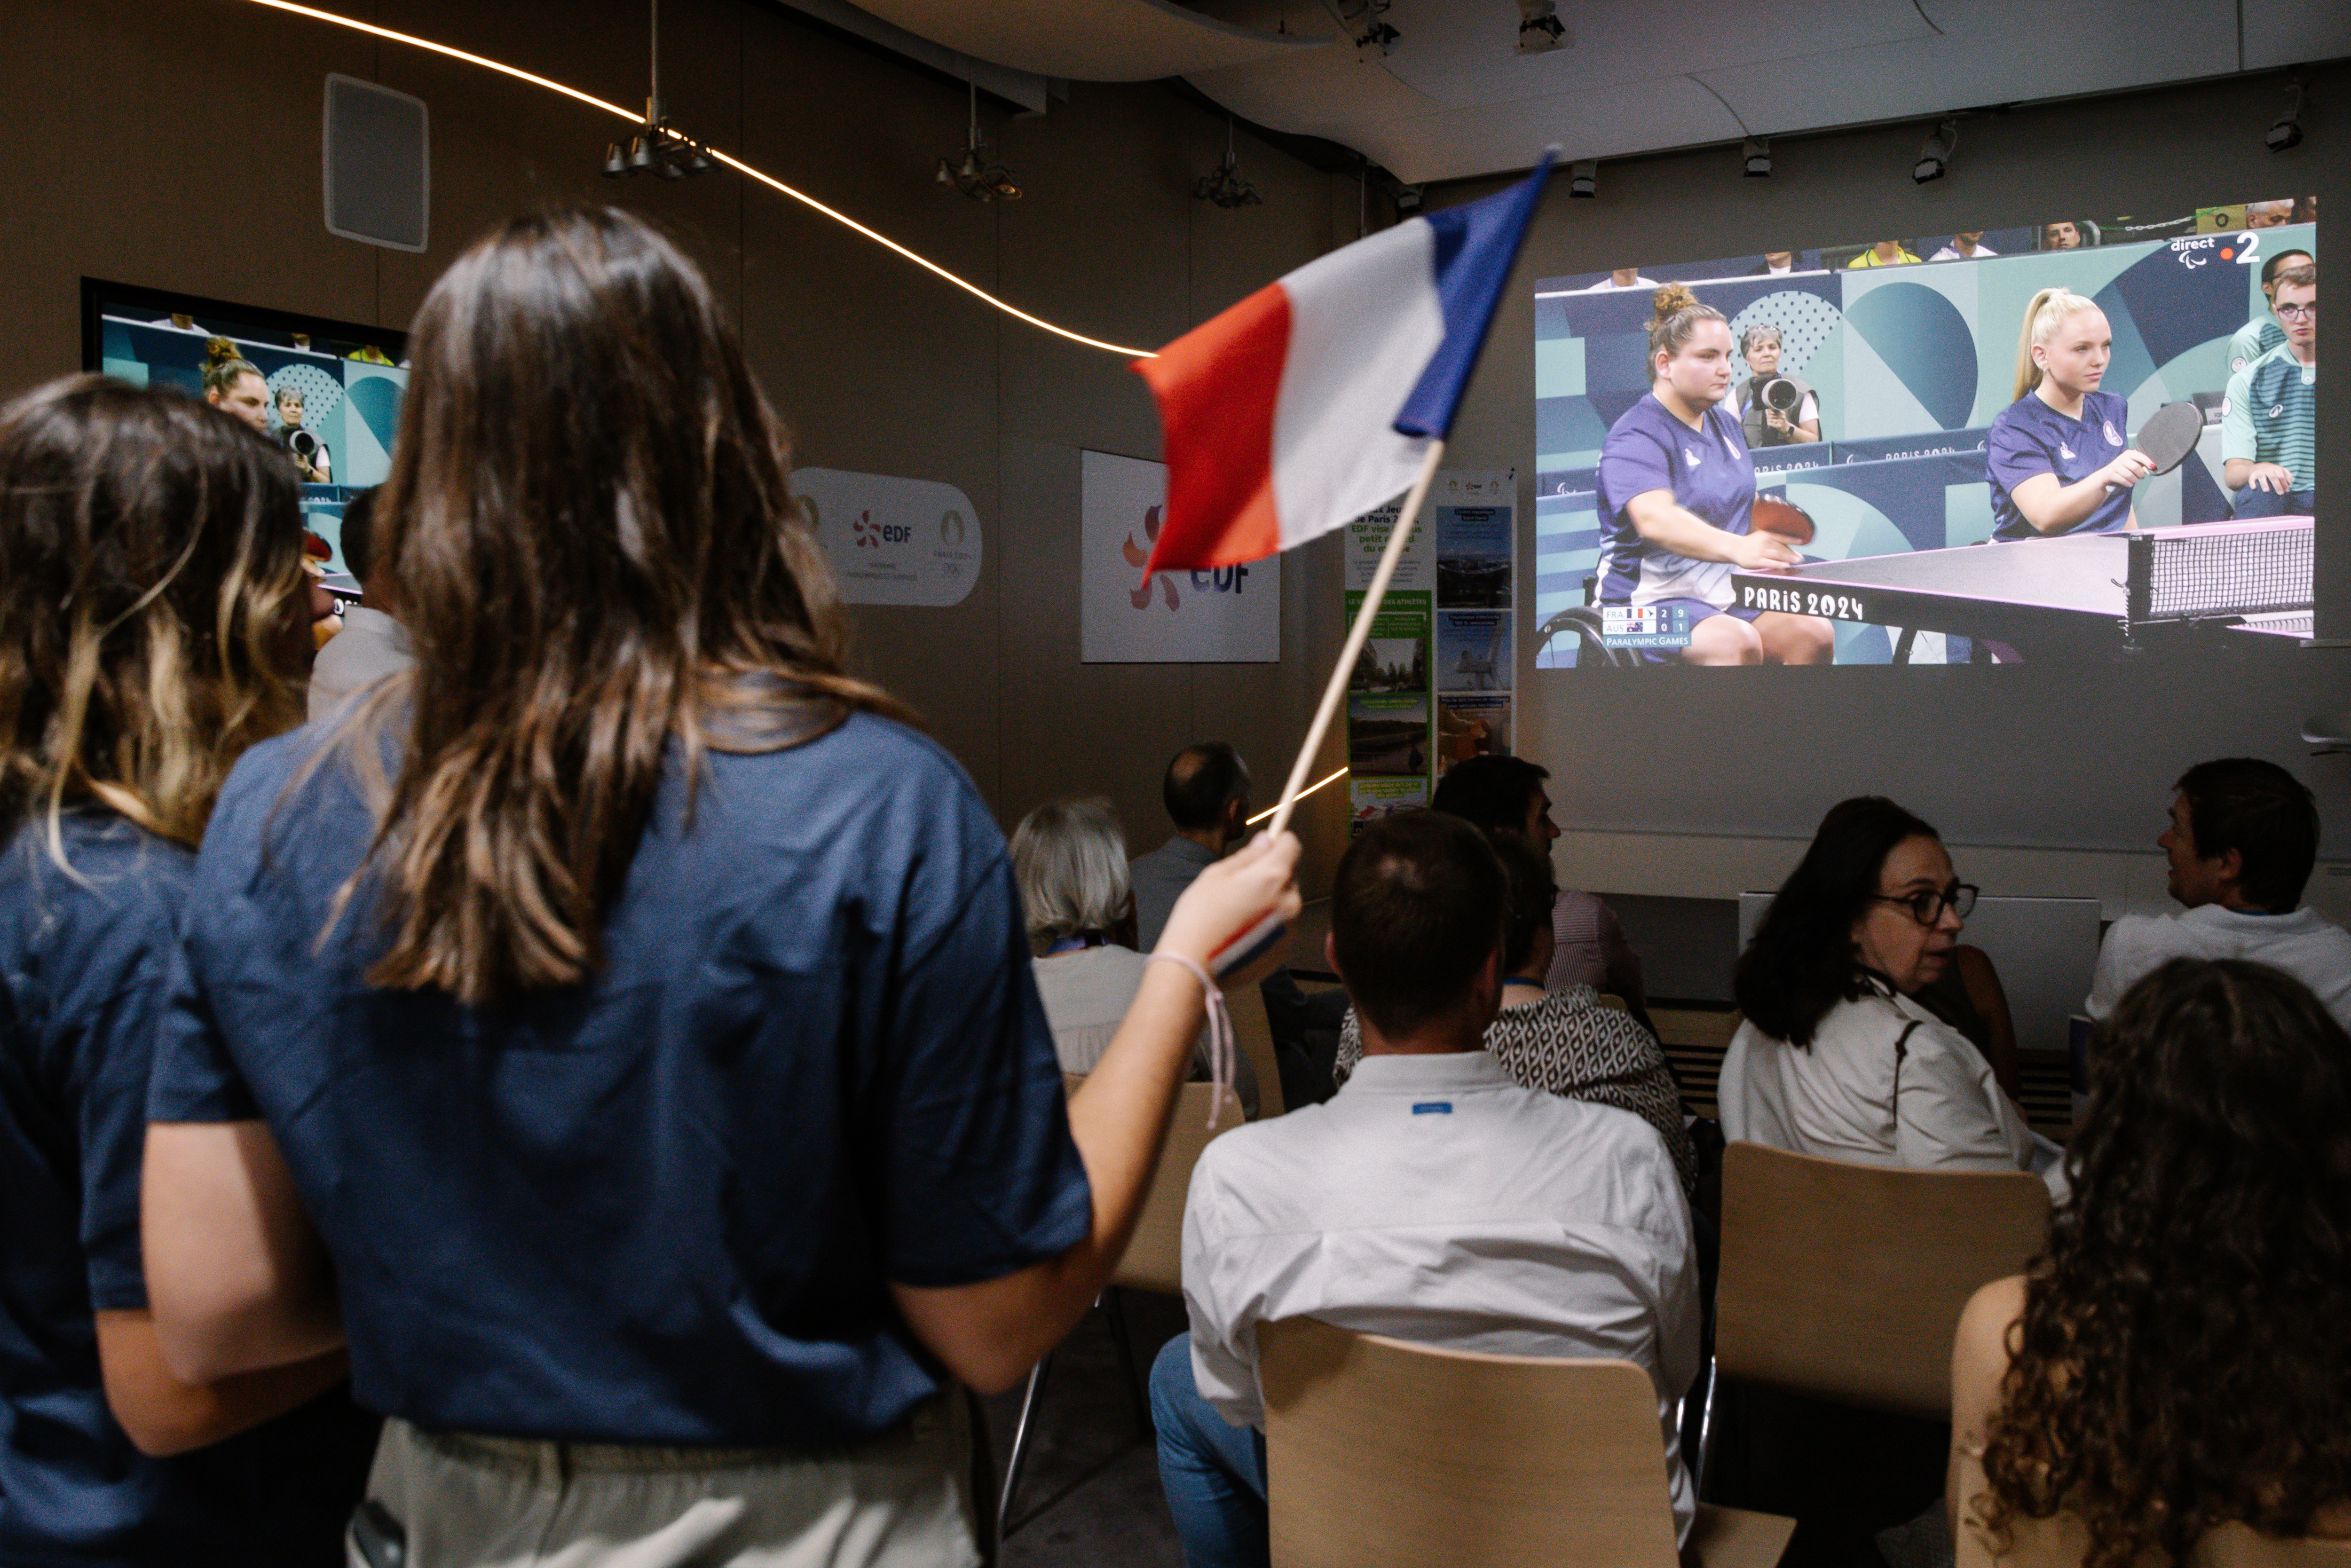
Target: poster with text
point(1368, 534)
point(1388, 690)
point(1369, 799)
point(1473, 649)
point(1475, 512)
point(1229, 615)
point(1471, 724)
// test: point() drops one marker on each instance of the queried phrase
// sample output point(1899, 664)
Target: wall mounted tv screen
point(1849, 467)
point(328, 392)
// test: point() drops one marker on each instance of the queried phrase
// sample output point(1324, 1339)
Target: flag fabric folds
point(1315, 399)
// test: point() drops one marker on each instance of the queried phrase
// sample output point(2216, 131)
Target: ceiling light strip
point(728, 159)
point(1270, 811)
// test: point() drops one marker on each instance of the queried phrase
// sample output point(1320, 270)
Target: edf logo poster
point(1231, 615)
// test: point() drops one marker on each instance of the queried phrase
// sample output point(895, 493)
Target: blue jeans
point(1212, 1472)
point(2258, 502)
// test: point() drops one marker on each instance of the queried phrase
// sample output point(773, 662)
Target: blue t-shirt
point(1709, 472)
point(2030, 437)
point(82, 967)
point(663, 1206)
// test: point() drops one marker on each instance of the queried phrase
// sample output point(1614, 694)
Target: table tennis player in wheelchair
point(1678, 509)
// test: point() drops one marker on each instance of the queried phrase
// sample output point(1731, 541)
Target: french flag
point(1315, 399)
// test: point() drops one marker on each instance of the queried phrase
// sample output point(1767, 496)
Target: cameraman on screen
point(1769, 415)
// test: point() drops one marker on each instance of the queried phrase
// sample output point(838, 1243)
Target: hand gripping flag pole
point(1322, 394)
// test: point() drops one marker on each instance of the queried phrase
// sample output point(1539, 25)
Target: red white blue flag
point(1315, 399)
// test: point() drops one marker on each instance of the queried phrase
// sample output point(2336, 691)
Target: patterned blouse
point(1567, 1043)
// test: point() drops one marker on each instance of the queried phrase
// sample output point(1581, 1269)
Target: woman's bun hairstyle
point(1677, 314)
point(1670, 299)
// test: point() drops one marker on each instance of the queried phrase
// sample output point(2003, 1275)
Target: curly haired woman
point(2176, 1360)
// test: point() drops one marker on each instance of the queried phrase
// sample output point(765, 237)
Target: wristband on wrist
point(1220, 1033)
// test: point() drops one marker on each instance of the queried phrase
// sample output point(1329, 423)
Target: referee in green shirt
point(2269, 435)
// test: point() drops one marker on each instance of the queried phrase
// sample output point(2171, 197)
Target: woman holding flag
point(1676, 498)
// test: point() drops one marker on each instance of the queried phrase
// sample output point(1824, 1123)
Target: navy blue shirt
point(82, 967)
point(1709, 472)
point(663, 1206)
point(2030, 437)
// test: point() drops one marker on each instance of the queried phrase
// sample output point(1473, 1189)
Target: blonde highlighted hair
point(153, 549)
point(2041, 318)
point(1676, 318)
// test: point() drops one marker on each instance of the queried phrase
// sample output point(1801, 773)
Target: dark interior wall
point(2017, 756)
point(176, 145)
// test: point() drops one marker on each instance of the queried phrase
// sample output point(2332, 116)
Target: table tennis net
point(2230, 573)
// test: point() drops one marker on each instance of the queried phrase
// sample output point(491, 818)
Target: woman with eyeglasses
point(1836, 1058)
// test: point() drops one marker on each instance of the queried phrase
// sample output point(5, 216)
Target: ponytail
point(2041, 318)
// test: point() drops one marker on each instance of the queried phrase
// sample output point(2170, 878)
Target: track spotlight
point(1758, 156)
point(1366, 23)
point(1540, 28)
point(1935, 152)
point(660, 148)
point(2286, 130)
point(1583, 178)
point(1226, 187)
point(973, 173)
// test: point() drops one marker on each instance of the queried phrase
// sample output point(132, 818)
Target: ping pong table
point(2098, 595)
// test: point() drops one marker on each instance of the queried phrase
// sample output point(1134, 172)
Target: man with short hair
point(2269, 430)
point(1505, 794)
point(1432, 1200)
point(2260, 335)
point(2242, 840)
point(1207, 792)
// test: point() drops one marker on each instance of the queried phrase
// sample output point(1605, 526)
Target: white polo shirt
point(1434, 1200)
point(2305, 944)
point(1850, 1095)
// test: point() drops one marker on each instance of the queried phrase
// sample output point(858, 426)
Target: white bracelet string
point(1221, 1035)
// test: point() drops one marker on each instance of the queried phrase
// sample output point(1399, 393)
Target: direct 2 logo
point(1221, 579)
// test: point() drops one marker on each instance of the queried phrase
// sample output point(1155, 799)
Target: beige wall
point(174, 143)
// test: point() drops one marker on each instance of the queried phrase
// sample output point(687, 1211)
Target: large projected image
point(1837, 454)
point(327, 391)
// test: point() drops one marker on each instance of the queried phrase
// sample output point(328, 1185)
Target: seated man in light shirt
point(370, 644)
point(2242, 840)
point(1432, 1200)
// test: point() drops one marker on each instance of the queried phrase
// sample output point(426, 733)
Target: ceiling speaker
point(379, 179)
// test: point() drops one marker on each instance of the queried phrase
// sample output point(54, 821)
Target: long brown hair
point(151, 549)
point(592, 538)
point(2181, 1362)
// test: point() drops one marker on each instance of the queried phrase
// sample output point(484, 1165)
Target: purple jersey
point(1709, 473)
point(2030, 437)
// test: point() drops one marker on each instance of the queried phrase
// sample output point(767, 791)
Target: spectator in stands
point(1968, 245)
point(2269, 435)
point(1563, 1041)
point(1763, 426)
point(1884, 253)
point(2262, 333)
point(2242, 841)
point(1069, 859)
point(155, 625)
point(2176, 1358)
point(370, 644)
point(1776, 264)
point(2063, 234)
point(630, 1036)
point(1432, 1200)
point(1207, 792)
point(1834, 1058)
point(1506, 795)
point(1622, 278)
point(2268, 215)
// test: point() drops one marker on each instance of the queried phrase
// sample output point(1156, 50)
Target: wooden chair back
point(1155, 1259)
point(1846, 1281)
point(1378, 1452)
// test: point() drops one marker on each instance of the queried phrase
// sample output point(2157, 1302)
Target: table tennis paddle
point(1778, 515)
point(2171, 433)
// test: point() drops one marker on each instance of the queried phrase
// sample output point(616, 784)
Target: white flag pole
point(1378, 589)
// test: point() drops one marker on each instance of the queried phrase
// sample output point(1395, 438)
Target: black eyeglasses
point(1928, 907)
point(2299, 310)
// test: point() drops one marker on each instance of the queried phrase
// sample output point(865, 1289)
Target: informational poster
point(1477, 594)
point(1388, 691)
point(1230, 615)
point(1367, 536)
point(891, 540)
